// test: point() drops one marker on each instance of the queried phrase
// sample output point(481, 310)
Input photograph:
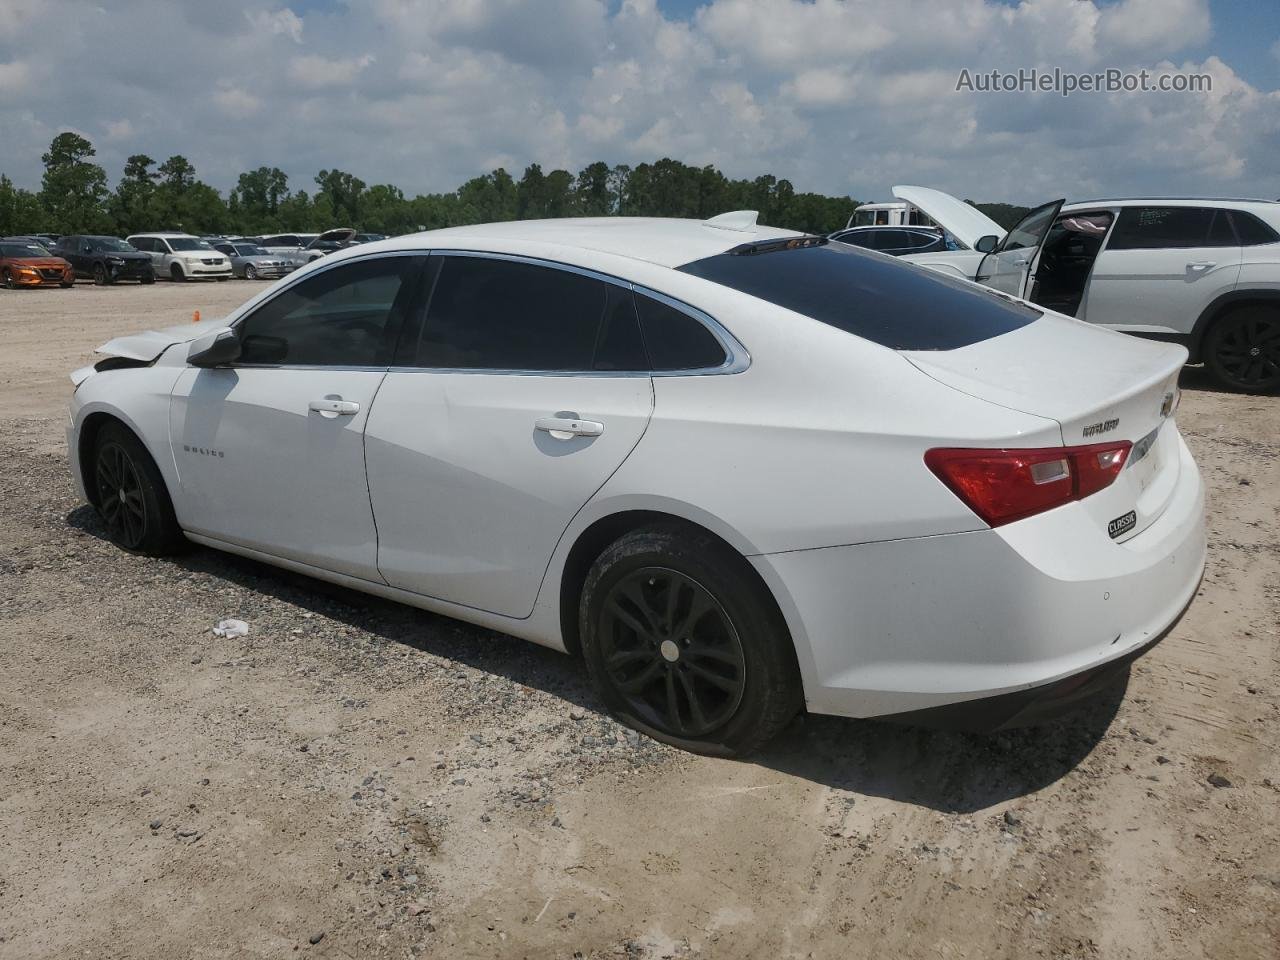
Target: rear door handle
point(334, 407)
point(565, 428)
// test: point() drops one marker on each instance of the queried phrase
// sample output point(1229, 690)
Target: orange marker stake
point(195, 316)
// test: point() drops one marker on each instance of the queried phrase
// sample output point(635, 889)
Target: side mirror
point(215, 349)
point(987, 244)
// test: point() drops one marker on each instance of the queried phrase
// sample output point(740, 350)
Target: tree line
point(74, 197)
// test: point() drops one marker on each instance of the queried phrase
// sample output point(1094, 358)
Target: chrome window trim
point(737, 358)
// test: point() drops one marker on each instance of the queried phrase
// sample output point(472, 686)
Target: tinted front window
point(347, 316)
point(187, 243)
point(113, 245)
point(506, 315)
point(1162, 228)
point(887, 302)
point(1252, 230)
point(245, 250)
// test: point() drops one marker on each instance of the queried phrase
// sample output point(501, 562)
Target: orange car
point(24, 263)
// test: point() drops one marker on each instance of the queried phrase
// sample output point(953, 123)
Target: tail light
point(1001, 486)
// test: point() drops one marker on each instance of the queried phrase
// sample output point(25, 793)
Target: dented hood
point(150, 344)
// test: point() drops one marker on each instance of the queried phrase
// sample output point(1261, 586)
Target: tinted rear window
point(893, 304)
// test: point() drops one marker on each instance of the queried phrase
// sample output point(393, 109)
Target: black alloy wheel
point(99, 275)
point(120, 495)
point(671, 652)
point(9, 282)
point(1243, 349)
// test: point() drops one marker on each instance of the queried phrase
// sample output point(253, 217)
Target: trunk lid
point(1099, 386)
point(963, 221)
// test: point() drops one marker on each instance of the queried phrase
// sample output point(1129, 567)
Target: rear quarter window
point(894, 304)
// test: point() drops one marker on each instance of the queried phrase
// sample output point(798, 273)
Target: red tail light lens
point(1001, 486)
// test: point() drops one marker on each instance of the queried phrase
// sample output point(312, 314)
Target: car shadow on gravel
point(945, 771)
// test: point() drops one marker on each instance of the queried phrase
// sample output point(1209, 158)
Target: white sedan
point(742, 472)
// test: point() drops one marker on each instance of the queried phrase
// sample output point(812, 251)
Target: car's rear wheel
point(176, 274)
point(100, 276)
point(131, 496)
point(1242, 349)
point(250, 272)
point(683, 643)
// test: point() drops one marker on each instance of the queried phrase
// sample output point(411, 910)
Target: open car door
point(1008, 267)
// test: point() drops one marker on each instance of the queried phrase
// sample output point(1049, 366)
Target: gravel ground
point(356, 778)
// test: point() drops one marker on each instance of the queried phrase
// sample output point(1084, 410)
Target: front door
point(525, 390)
point(1008, 267)
point(270, 450)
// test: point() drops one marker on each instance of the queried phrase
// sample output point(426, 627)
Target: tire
point(221, 279)
point(100, 278)
point(9, 282)
point(67, 284)
point(720, 645)
point(142, 520)
point(250, 272)
point(1242, 349)
point(176, 274)
point(147, 279)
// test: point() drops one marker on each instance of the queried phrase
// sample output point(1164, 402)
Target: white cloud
point(312, 70)
point(283, 22)
point(14, 77)
point(836, 96)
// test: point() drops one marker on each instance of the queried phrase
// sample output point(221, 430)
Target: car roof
point(667, 242)
point(164, 233)
point(1238, 203)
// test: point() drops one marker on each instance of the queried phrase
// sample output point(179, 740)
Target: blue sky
point(839, 97)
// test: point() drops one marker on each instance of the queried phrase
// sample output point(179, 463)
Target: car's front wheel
point(131, 496)
point(176, 274)
point(683, 643)
point(100, 276)
point(9, 282)
point(1242, 349)
point(147, 278)
point(250, 272)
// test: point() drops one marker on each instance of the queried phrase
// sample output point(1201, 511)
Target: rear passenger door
point(524, 388)
point(1161, 267)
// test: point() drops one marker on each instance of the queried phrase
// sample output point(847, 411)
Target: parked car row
point(51, 259)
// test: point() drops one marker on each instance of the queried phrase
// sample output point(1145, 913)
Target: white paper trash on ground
point(231, 628)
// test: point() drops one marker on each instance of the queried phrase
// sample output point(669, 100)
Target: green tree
point(130, 205)
point(73, 188)
point(177, 173)
point(593, 196)
point(343, 193)
point(19, 209)
point(257, 197)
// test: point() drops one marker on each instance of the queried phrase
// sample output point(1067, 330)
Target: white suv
point(1204, 273)
point(180, 256)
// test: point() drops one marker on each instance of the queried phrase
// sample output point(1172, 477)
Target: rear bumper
point(907, 626)
point(1026, 708)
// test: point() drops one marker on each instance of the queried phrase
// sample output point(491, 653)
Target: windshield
point(187, 243)
point(249, 250)
point(20, 250)
point(897, 305)
point(112, 244)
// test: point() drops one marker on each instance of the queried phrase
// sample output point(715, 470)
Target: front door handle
point(334, 407)
point(566, 428)
point(1199, 266)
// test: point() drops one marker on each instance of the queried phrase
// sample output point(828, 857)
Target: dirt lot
point(388, 783)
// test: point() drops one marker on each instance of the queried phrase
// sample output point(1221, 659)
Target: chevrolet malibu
point(740, 471)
